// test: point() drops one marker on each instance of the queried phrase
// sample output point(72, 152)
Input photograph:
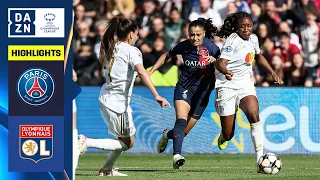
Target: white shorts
point(227, 99)
point(119, 125)
point(74, 106)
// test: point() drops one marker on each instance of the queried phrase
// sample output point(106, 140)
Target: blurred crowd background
point(288, 32)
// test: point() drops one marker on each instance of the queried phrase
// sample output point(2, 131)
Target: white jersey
point(240, 54)
point(120, 75)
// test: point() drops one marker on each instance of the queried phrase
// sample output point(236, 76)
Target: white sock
point(107, 144)
point(257, 138)
point(75, 151)
point(112, 157)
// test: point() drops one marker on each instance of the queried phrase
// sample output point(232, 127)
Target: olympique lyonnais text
point(30, 131)
point(31, 52)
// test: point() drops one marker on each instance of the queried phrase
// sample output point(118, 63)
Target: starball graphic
point(35, 86)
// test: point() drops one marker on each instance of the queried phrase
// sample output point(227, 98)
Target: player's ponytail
point(231, 23)
point(108, 40)
point(117, 29)
point(207, 25)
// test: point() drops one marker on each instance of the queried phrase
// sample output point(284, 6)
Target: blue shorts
point(198, 100)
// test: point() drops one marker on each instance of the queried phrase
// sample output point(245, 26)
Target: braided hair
point(231, 24)
point(207, 25)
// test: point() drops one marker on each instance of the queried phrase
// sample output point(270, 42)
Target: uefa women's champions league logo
point(49, 27)
point(35, 86)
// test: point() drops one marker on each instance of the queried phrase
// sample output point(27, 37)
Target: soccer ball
point(270, 163)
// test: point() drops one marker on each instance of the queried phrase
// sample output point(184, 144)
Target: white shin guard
point(257, 138)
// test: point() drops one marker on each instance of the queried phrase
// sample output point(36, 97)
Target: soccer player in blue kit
point(195, 84)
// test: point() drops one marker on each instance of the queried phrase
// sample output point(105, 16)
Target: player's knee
point(129, 145)
point(182, 116)
point(128, 142)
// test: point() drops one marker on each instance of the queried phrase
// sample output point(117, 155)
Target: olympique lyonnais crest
point(36, 142)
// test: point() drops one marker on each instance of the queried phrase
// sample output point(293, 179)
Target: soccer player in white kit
point(234, 87)
point(123, 62)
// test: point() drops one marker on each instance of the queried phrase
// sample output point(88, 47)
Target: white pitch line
point(215, 167)
point(212, 167)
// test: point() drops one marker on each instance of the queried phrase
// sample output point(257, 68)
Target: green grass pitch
point(198, 167)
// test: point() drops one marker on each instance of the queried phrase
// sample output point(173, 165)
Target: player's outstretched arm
point(221, 65)
point(143, 74)
point(164, 57)
point(264, 63)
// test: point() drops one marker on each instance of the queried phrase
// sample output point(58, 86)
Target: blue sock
point(178, 135)
point(170, 134)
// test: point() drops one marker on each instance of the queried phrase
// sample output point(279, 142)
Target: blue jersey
point(196, 70)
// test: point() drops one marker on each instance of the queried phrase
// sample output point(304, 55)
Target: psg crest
point(36, 142)
point(35, 86)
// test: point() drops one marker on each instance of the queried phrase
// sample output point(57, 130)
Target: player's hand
point(277, 79)
point(210, 59)
point(229, 75)
point(162, 101)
